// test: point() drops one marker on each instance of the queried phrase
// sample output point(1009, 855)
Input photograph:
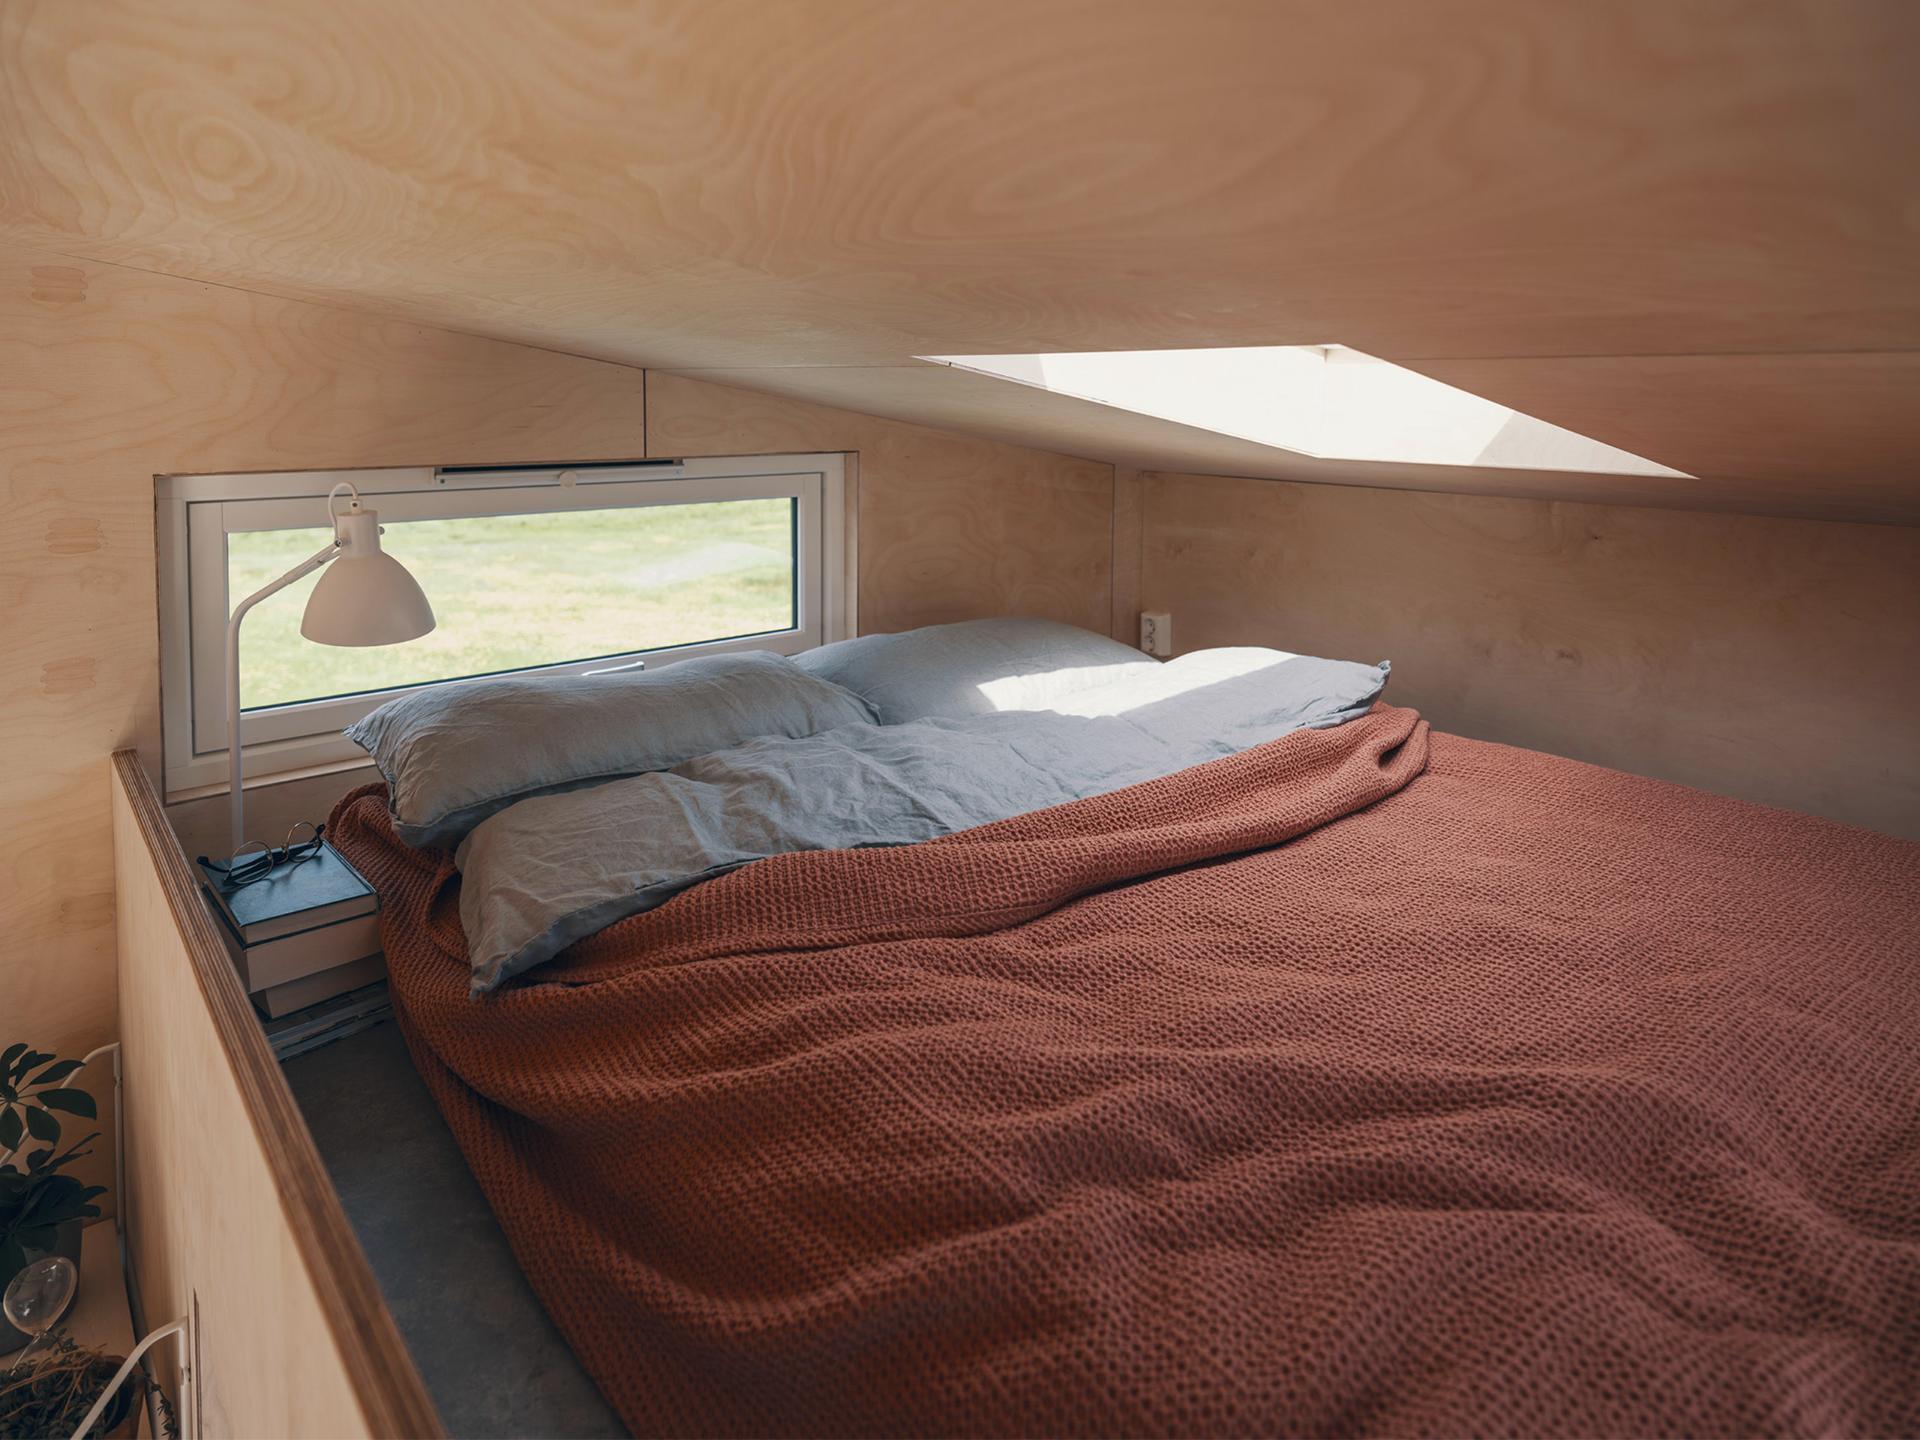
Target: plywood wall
point(205, 1097)
point(110, 377)
point(1764, 658)
point(952, 527)
point(113, 375)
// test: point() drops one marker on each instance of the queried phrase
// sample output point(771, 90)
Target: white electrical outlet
point(1156, 632)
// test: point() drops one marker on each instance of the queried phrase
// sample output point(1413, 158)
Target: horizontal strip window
point(530, 570)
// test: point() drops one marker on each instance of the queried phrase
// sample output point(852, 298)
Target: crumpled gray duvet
point(553, 869)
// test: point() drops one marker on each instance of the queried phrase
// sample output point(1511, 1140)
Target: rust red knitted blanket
point(1369, 1082)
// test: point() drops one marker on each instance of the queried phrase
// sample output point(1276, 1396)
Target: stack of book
point(308, 930)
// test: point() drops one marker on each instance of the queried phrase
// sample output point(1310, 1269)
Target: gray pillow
point(974, 667)
point(455, 754)
point(560, 867)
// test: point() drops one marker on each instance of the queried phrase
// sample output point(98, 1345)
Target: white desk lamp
point(367, 598)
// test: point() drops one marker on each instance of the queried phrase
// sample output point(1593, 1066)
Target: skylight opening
point(1326, 401)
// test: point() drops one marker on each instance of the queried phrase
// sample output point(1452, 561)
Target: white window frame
point(196, 513)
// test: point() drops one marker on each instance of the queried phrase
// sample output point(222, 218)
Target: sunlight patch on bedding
point(1019, 692)
point(1166, 682)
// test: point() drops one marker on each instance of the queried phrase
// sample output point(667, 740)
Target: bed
point(1362, 1080)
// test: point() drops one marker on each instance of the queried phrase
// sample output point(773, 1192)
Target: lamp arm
point(235, 809)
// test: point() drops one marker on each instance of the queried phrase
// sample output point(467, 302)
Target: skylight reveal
point(1321, 400)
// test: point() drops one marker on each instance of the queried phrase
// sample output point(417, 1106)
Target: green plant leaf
point(12, 1129)
point(27, 1061)
point(41, 1124)
point(74, 1102)
point(53, 1200)
point(72, 1152)
point(56, 1072)
point(37, 1159)
point(38, 1198)
point(13, 1053)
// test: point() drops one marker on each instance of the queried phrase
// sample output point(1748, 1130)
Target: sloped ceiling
point(1691, 230)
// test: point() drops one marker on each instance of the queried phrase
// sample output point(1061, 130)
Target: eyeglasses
point(255, 860)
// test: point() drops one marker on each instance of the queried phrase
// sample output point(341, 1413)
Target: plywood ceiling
point(1579, 209)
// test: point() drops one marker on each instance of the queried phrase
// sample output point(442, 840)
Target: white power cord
point(172, 1327)
point(180, 1327)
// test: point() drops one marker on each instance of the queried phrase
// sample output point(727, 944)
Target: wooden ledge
point(381, 1374)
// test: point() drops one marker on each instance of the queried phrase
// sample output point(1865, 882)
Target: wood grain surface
point(112, 376)
point(712, 181)
point(1754, 657)
point(951, 527)
point(733, 184)
point(292, 1335)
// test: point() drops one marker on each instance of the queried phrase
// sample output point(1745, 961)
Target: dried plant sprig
point(52, 1393)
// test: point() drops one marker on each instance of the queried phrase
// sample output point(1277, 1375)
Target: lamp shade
point(365, 596)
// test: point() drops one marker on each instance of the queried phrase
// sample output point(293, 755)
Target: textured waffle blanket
point(1372, 1081)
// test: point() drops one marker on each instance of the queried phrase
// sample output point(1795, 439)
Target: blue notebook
point(323, 890)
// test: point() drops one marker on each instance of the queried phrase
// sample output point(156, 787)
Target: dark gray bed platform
point(491, 1358)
